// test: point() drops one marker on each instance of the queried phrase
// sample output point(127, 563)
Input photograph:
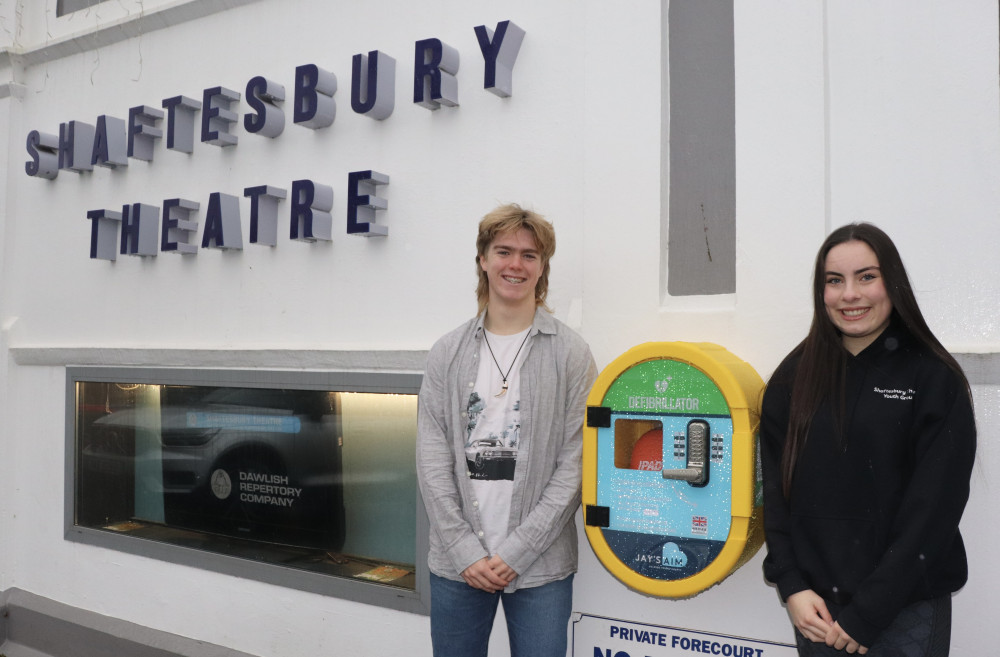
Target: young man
point(499, 452)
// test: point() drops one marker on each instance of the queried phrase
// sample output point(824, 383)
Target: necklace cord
point(516, 354)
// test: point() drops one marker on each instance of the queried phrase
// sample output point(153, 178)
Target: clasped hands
point(489, 574)
point(811, 617)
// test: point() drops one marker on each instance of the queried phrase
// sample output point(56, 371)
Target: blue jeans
point(537, 618)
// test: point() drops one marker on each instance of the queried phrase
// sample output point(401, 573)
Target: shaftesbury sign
point(136, 229)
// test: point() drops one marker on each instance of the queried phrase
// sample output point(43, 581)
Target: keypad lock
point(697, 443)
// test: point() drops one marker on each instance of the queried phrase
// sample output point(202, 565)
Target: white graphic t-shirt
point(493, 431)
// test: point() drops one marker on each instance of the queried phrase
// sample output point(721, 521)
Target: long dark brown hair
point(823, 359)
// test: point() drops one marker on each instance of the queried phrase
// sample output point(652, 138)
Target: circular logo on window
point(222, 485)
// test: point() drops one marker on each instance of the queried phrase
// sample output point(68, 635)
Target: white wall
point(885, 112)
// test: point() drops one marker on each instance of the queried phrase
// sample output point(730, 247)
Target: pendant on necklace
point(503, 376)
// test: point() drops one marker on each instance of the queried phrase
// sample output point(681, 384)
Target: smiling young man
point(499, 452)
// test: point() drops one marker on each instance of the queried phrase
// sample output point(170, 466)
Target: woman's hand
point(810, 616)
point(841, 640)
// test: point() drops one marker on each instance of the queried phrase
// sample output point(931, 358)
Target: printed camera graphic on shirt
point(671, 474)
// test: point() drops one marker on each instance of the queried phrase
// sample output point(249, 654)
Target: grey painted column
point(701, 208)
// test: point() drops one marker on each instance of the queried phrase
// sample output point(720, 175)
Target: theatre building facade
point(230, 230)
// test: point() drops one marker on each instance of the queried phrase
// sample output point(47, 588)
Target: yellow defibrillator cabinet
point(671, 468)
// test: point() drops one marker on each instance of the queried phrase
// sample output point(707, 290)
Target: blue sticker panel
point(665, 528)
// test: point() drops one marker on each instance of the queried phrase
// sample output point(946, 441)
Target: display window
point(312, 473)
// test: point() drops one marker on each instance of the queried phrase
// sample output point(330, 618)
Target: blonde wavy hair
point(511, 218)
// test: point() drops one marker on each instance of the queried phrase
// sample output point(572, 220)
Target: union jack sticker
point(699, 525)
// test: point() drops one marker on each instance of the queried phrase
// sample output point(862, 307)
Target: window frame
point(413, 601)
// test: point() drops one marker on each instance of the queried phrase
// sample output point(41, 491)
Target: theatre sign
point(142, 229)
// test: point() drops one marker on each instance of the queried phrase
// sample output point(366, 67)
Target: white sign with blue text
point(597, 636)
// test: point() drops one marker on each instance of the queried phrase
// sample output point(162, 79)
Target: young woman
point(867, 440)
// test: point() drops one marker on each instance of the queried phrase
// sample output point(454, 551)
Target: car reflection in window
point(248, 462)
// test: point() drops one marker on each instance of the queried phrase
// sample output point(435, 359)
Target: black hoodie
point(872, 520)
